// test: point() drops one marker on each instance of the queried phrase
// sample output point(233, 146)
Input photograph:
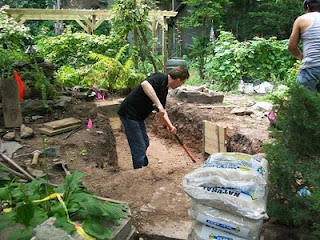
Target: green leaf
point(21, 234)
point(25, 213)
point(5, 193)
point(62, 222)
point(6, 220)
point(94, 228)
point(74, 180)
point(39, 217)
point(58, 209)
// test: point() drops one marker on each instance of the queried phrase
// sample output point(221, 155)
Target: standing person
point(307, 29)
point(138, 105)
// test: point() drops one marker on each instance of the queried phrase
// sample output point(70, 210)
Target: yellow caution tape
point(6, 210)
point(78, 228)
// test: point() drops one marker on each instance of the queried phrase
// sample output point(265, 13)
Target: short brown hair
point(179, 72)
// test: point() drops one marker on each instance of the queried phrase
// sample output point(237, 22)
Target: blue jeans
point(310, 78)
point(138, 141)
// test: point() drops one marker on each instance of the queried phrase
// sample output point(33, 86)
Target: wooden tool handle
point(13, 163)
point(35, 158)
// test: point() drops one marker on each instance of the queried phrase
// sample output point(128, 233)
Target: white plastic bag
point(225, 221)
point(203, 232)
point(241, 161)
point(231, 182)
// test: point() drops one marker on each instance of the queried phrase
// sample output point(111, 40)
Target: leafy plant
point(35, 78)
point(73, 49)
point(263, 59)
point(12, 38)
point(202, 14)
point(132, 16)
point(34, 202)
point(107, 72)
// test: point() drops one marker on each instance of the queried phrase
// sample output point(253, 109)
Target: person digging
point(138, 105)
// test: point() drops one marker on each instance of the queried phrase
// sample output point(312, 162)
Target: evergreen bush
point(294, 159)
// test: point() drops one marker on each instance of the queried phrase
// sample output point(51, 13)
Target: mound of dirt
point(244, 133)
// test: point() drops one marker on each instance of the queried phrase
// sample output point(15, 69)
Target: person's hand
point(173, 130)
point(162, 112)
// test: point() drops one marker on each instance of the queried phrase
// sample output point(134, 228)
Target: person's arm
point(150, 92)
point(294, 40)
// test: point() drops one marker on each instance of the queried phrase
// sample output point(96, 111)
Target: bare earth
point(155, 194)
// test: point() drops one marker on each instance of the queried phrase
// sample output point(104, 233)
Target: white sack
point(202, 232)
point(231, 184)
point(242, 161)
point(225, 221)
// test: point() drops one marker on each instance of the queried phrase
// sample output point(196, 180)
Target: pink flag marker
point(89, 123)
point(77, 224)
point(99, 96)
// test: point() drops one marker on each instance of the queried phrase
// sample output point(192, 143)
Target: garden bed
point(155, 195)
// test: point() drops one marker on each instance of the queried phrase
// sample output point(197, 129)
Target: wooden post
point(10, 103)
point(164, 44)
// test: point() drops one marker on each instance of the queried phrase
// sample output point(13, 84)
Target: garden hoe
point(176, 136)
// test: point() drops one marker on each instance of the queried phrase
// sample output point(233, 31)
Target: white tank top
point(311, 43)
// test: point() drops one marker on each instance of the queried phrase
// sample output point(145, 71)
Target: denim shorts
point(310, 78)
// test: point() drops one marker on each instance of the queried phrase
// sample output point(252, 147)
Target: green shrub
point(106, 72)
point(263, 59)
point(13, 40)
point(294, 159)
point(74, 49)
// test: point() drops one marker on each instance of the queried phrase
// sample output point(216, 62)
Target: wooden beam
point(82, 25)
point(34, 12)
point(98, 23)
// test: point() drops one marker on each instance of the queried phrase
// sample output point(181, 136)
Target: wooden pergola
point(90, 20)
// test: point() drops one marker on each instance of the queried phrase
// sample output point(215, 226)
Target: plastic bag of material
point(241, 161)
point(203, 232)
point(225, 221)
point(230, 184)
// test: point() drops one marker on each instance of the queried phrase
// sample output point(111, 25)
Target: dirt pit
point(155, 193)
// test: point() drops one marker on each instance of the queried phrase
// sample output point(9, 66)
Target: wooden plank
point(63, 123)
point(10, 103)
point(214, 138)
point(50, 132)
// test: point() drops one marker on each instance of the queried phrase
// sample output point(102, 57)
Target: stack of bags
point(229, 195)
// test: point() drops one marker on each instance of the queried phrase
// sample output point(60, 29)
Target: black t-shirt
point(137, 105)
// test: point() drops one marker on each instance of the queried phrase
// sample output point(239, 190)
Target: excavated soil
point(155, 194)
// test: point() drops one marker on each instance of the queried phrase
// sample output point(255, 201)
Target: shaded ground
point(155, 194)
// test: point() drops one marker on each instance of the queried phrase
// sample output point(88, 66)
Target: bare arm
point(149, 91)
point(294, 40)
